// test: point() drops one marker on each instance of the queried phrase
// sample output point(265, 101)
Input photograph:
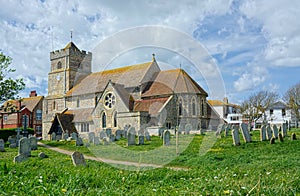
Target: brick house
point(13, 113)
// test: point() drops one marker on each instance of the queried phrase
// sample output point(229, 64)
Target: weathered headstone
point(24, 147)
point(235, 136)
point(227, 128)
point(91, 136)
point(13, 145)
point(105, 140)
point(263, 133)
point(272, 140)
point(2, 149)
point(78, 159)
point(12, 140)
point(220, 129)
point(74, 135)
point(161, 132)
point(66, 136)
point(147, 136)
point(53, 136)
point(141, 140)
point(96, 141)
point(118, 134)
point(245, 133)
point(275, 131)
point(108, 132)
point(293, 136)
point(284, 130)
point(126, 128)
point(20, 158)
point(188, 128)
point(280, 137)
point(269, 132)
point(78, 141)
point(33, 143)
point(167, 137)
point(131, 136)
point(102, 134)
point(58, 137)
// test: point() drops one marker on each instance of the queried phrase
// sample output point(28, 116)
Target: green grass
point(257, 168)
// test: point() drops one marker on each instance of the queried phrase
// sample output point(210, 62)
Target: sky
point(254, 44)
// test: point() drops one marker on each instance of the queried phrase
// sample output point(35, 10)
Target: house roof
point(278, 105)
point(30, 103)
point(221, 103)
point(173, 81)
point(153, 106)
point(129, 76)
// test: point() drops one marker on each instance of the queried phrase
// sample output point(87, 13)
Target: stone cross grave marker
point(235, 136)
point(263, 133)
point(33, 143)
point(275, 131)
point(245, 133)
point(78, 159)
point(269, 132)
point(2, 145)
point(166, 137)
point(131, 136)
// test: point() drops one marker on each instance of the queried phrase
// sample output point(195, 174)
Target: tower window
point(59, 66)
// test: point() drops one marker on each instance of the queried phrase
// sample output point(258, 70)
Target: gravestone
point(65, 136)
point(33, 143)
point(245, 133)
point(42, 155)
point(188, 128)
point(13, 145)
point(126, 128)
point(79, 141)
point(118, 134)
point(220, 129)
point(24, 147)
point(96, 141)
point(53, 136)
point(12, 140)
point(280, 137)
point(131, 136)
point(272, 140)
point(102, 134)
point(161, 132)
point(74, 135)
point(147, 136)
point(2, 145)
point(227, 128)
point(235, 136)
point(284, 130)
point(58, 137)
point(275, 131)
point(293, 136)
point(269, 132)
point(112, 138)
point(141, 140)
point(108, 132)
point(20, 158)
point(166, 138)
point(105, 141)
point(91, 136)
point(263, 133)
point(78, 159)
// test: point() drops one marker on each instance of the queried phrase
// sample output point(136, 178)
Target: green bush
point(5, 133)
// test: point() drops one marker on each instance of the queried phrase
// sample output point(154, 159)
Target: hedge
point(5, 133)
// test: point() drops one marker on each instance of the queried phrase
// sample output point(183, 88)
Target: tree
point(256, 105)
point(292, 97)
point(9, 87)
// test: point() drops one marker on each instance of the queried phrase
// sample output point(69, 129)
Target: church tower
point(68, 66)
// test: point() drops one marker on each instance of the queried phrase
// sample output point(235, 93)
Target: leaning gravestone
point(53, 136)
point(66, 136)
point(245, 133)
point(118, 134)
point(91, 136)
point(272, 140)
point(24, 147)
point(166, 138)
point(293, 136)
point(188, 128)
point(275, 131)
point(235, 136)
point(78, 159)
point(2, 145)
point(79, 141)
point(263, 132)
point(33, 143)
point(280, 137)
point(284, 130)
point(131, 136)
point(227, 128)
point(74, 135)
point(141, 140)
point(147, 136)
point(219, 129)
point(269, 132)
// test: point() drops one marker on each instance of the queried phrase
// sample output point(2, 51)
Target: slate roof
point(173, 81)
point(153, 106)
point(81, 115)
point(129, 76)
point(278, 105)
point(65, 122)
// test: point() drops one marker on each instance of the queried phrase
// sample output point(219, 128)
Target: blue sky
point(255, 44)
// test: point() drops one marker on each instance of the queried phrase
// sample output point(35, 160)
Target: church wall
point(81, 101)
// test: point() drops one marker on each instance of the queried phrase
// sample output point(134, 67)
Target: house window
point(5, 118)
point(103, 120)
point(271, 111)
point(38, 115)
point(38, 130)
point(85, 127)
point(115, 120)
point(283, 112)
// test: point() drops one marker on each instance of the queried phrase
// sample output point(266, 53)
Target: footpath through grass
point(256, 168)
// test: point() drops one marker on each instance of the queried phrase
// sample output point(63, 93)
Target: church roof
point(65, 122)
point(70, 45)
point(81, 115)
point(173, 81)
point(153, 106)
point(129, 76)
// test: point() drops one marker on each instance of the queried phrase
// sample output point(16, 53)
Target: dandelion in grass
point(63, 190)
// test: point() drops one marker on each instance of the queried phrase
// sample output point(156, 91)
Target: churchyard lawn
point(255, 168)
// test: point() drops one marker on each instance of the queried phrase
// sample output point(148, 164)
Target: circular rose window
point(109, 100)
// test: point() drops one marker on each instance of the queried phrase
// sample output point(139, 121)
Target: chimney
point(32, 94)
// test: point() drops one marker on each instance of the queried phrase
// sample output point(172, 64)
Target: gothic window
point(193, 107)
point(202, 107)
point(180, 107)
point(59, 66)
point(115, 120)
point(54, 105)
point(109, 100)
point(103, 120)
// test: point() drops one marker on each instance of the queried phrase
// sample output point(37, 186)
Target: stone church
point(142, 96)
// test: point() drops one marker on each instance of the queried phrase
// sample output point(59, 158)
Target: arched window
point(180, 107)
point(103, 120)
point(59, 66)
point(78, 102)
point(115, 120)
point(54, 105)
point(202, 107)
point(193, 107)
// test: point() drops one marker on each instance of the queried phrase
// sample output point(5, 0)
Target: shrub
point(5, 133)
